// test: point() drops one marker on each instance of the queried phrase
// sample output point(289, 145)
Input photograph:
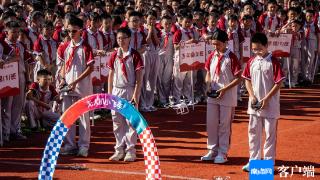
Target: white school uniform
point(12, 106)
point(97, 42)
point(166, 54)
point(295, 59)
point(151, 69)
point(123, 86)
point(138, 39)
point(220, 111)
point(110, 38)
point(83, 57)
point(182, 80)
point(237, 39)
point(35, 112)
point(269, 23)
point(46, 48)
point(309, 49)
point(32, 34)
point(263, 73)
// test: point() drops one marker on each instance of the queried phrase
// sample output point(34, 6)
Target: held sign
point(192, 56)
point(9, 80)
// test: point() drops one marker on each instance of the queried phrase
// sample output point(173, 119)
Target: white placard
point(9, 80)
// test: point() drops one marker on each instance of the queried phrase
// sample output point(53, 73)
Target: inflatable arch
point(98, 101)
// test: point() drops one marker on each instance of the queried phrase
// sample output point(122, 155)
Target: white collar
point(45, 39)
point(224, 54)
point(91, 32)
point(185, 30)
point(32, 30)
point(209, 30)
point(120, 52)
point(78, 44)
point(267, 58)
point(10, 42)
point(311, 24)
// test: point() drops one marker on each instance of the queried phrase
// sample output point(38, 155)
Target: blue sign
point(261, 170)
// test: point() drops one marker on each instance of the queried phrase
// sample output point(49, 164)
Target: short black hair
point(272, 2)
point(215, 15)
point(187, 16)
point(233, 17)
point(125, 31)
point(297, 21)
point(166, 17)
point(93, 16)
point(68, 4)
point(106, 16)
point(75, 21)
point(12, 25)
point(247, 17)
point(7, 14)
point(151, 13)
point(310, 11)
point(293, 9)
point(259, 38)
point(43, 72)
point(135, 13)
point(220, 36)
point(35, 15)
point(47, 24)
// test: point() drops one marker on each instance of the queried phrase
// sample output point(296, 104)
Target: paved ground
point(181, 140)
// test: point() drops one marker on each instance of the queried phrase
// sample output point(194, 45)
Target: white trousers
point(47, 117)
point(84, 127)
point(294, 65)
point(126, 136)
point(151, 69)
point(165, 77)
point(12, 107)
point(256, 125)
point(309, 60)
point(219, 120)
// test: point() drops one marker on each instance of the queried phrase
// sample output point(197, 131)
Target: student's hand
point(253, 99)
point(135, 101)
point(222, 91)
point(72, 86)
point(100, 52)
point(62, 83)
point(265, 102)
point(190, 41)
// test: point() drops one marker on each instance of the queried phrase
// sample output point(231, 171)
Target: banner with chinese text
point(192, 56)
point(280, 45)
point(9, 80)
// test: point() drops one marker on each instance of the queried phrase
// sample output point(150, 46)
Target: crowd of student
point(56, 42)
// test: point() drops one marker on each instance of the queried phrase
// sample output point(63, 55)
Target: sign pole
point(289, 73)
point(192, 91)
point(315, 67)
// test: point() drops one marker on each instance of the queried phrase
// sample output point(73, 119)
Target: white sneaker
point(220, 159)
point(246, 168)
point(117, 156)
point(209, 156)
point(83, 152)
point(130, 157)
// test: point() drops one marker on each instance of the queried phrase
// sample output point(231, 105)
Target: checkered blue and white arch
point(92, 102)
